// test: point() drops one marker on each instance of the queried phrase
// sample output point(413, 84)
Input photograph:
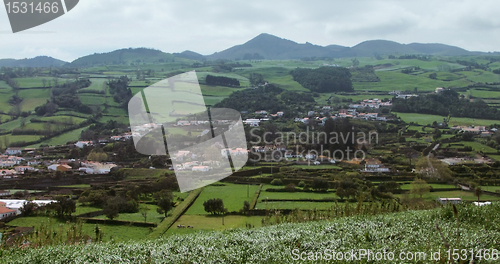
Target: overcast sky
point(207, 26)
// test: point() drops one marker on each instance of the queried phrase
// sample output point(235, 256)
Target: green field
point(80, 209)
point(33, 98)
point(233, 196)
point(293, 195)
point(434, 185)
point(98, 85)
point(295, 205)
point(110, 232)
point(484, 93)
point(76, 186)
point(152, 215)
point(71, 120)
point(490, 188)
point(62, 139)
point(465, 196)
point(37, 82)
point(19, 139)
point(476, 146)
point(115, 111)
point(423, 119)
point(278, 75)
point(210, 222)
point(92, 99)
point(395, 80)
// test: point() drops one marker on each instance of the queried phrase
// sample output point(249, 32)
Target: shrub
point(277, 182)
point(290, 187)
point(301, 184)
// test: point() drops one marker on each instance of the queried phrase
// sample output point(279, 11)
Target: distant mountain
point(40, 61)
point(123, 56)
point(336, 48)
point(438, 49)
point(266, 46)
point(190, 55)
point(372, 48)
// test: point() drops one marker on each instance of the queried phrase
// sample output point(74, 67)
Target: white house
point(6, 212)
point(201, 168)
point(86, 170)
point(449, 200)
point(252, 122)
point(7, 164)
point(13, 151)
point(310, 156)
point(22, 169)
point(82, 144)
point(481, 204)
point(374, 165)
point(259, 149)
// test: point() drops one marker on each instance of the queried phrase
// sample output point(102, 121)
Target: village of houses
point(16, 162)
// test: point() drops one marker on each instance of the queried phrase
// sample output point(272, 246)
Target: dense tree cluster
point(256, 79)
point(65, 96)
point(255, 56)
point(120, 90)
point(292, 97)
point(262, 98)
point(472, 65)
point(364, 74)
point(446, 103)
point(414, 57)
point(222, 81)
point(214, 206)
point(324, 79)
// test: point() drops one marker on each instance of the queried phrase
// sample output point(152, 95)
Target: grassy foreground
point(412, 231)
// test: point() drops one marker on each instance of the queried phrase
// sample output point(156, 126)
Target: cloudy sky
point(207, 26)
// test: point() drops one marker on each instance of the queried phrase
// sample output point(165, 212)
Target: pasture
point(211, 222)
point(423, 119)
point(233, 196)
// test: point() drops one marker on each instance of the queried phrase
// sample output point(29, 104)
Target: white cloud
point(208, 26)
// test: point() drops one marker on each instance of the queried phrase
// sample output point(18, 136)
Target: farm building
point(201, 168)
point(59, 167)
point(449, 200)
point(13, 151)
point(374, 165)
point(6, 212)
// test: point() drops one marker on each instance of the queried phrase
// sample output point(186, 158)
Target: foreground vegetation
point(471, 228)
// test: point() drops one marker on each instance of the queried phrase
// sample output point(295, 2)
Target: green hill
point(40, 61)
point(380, 47)
point(267, 46)
point(123, 57)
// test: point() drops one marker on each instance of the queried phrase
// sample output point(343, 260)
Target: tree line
point(222, 81)
point(324, 79)
point(120, 91)
point(446, 103)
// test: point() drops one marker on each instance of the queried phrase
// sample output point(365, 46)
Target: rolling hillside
point(272, 47)
point(123, 57)
point(40, 61)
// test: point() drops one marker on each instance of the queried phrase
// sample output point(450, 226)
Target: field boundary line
point(256, 197)
point(165, 225)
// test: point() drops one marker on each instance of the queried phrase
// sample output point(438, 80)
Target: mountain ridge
point(39, 61)
point(263, 46)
